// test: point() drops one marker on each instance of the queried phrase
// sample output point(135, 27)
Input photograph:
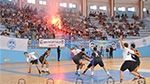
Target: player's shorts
point(95, 62)
point(41, 59)
point(100, 62)
point(138, 63)
point(76, 61)
point(90, 65)
point(130, 65)
point(136, 58)
point(34, 61)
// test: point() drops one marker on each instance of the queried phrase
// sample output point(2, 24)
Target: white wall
point(99, 3)
point(77, 2)
point(118, 3)
point(127, 4)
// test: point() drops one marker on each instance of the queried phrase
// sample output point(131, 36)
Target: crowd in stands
point(28, 23)
point(99, 26)
point(24, 23)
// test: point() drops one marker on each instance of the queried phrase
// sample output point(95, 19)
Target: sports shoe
point(134, 79)
point(43, 71)
point(121, 80)
point(47, 72)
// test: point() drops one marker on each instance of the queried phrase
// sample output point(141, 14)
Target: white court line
point(144, 70)
point(140, 70)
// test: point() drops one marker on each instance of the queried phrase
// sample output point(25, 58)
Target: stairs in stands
point(143, 32)
point(2, 28)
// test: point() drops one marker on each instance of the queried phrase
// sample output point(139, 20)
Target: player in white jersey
point(32, 59)
point(74, 51)
point(129, 62)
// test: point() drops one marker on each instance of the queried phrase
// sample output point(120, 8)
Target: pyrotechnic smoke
point(52, 12)
point(52, 7)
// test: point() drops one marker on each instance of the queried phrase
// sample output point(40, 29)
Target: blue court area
point(100, 76)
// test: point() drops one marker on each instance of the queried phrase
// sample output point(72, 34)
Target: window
point(63, 5)
point(115, 8)
point(144, 9)
point(121, 9)
point(93, 7)
point(103, 8)
point(42, 2)
point(132, 9)
point(31, 1)
point(71, 5)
